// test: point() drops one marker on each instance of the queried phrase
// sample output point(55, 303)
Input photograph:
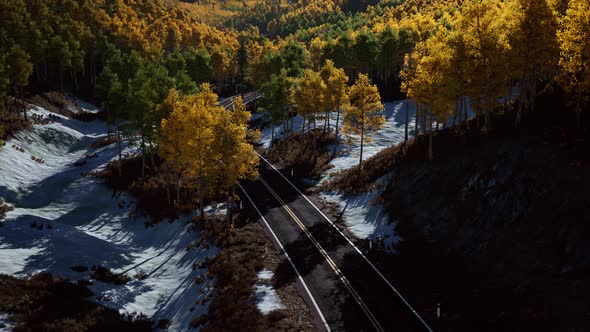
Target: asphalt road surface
point(344, 290)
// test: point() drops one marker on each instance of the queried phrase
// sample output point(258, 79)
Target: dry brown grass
point(353, 181)
point(11, 122)
point(244, 250)
point(4, 208)
point(307, 153)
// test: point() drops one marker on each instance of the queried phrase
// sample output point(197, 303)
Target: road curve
point(350, 293)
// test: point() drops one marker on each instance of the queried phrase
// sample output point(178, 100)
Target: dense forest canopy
point(133, 56)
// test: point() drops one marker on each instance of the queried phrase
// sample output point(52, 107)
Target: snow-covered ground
point(267, 299)
point(364, 216)
point(5, 324)
point(84, 225)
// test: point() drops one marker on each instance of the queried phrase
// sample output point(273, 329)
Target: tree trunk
point(361, 155)
point(202, 206)
point(177, 203)
point(430, 157)
point(229, 205)
point(416, 131)
point(143, 165)
point(168, 190)
point(487, 120)
point(45, 68)
point(119, 147)
point(152, 159)
point(407, 119)
point(303, 126)
point(74, 79)
point(337, 121)
point(142, 157)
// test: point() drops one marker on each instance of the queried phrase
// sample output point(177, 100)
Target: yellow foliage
point(574, 61)
point(205, 144)
point(308, 94)
point(364, 114)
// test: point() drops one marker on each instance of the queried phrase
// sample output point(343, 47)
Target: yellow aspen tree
point(407, 75)
point(234, 156)
point(173, 147)
point(432, 84)
point(534, 49)
point(364, 114)
point(308, 96)
point(335, 80)
point(574, 60)
point(186, 138)
point(202, 117)
point(484, 31)
point(460, 74)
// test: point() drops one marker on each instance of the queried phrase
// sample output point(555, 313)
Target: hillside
point(516, 206)
point(65, 218)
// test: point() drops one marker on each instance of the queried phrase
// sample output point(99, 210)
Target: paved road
point(247, 97)
point(350, 294)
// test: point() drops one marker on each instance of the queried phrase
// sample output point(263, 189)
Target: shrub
point(105, 275)
point(307, 153)
point(43, 303)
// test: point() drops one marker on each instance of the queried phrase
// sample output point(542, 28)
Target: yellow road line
point(331, 263)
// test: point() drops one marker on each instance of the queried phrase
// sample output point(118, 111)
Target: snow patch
point(265, 274)
point(366, 218)
point(6, 325)
point(267, 299)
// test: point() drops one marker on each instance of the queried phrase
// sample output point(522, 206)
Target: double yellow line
point(331, 263)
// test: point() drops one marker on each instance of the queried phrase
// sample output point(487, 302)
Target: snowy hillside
point(364, 218)
point(63, 218)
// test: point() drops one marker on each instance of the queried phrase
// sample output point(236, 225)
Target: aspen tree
point(235, 159)
point(574, 61)
point(364, 114)
point(534, 49)
point(335, 80)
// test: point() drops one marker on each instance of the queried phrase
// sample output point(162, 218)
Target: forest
point(158, 70)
